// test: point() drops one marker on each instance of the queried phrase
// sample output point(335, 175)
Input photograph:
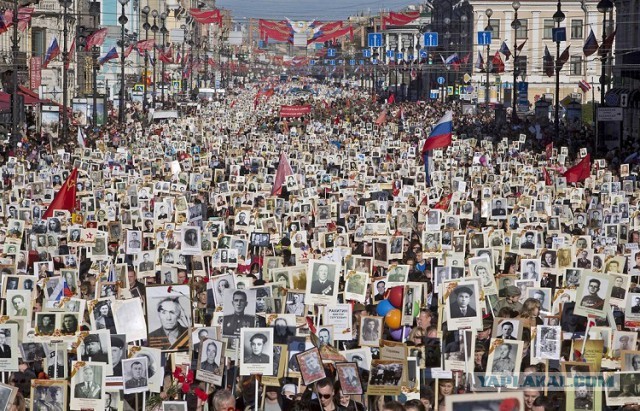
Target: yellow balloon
point(393, 319)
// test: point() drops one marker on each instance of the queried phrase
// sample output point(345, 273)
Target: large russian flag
point(441, 134)
point(52, 52)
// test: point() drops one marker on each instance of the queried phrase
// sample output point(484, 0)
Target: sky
point(308, 9)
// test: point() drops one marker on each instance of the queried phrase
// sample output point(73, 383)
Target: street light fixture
point(154, 29)
point(488, 13)
point(558, 17)
point(515, 25)
point(164, 31)
point(65, 54)
point(146, 26)
point(122, 20)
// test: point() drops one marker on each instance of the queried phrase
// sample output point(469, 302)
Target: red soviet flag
point(65, 199)
point(284, 170)
point(580, 171)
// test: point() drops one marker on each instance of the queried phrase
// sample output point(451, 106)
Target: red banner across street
point(294, 111)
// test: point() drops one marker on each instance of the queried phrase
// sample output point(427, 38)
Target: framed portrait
point(507, 328)
point(56, 361)
point(310, 364)
point(211, 361)
point(504, 358)
point(630, 360)
point(623, 341)
point(9, 347)
point(322, 277)
point(593, 295)
point(256, 351)
point(239, 310)
point(216, 287)
point(113, 399)
point(632, 310)
point(543, 295)
point(485, 401)
point(279, 365)
point(154, 365)
point(190, 240)
point(385, 377)
point(134, 375)
point(168, 316)
point(47, 394)
point(371, 331)
point(174, 405)
point(360, 356)
point(87, 385)
point(7, 396)
point(624, 390)
point(356, 286)
point(462, 304)
point(339, 318)
point(128, 317)
point(548, 342)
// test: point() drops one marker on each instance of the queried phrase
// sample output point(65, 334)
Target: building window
point(575, 68)
point(576, 28)
point(495, 28)
point(38, 42)
point(523, 31)
point(549, 24)
point(521, 65)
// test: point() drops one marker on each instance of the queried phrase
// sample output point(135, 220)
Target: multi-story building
point(536, 28)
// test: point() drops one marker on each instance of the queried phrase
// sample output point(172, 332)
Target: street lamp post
point(164, 31)
point(154, 29)
point(95, 53)
point(65, 82)
point(146, 26)
point(122, 20)
point(515, 25)
point(558, 17)
point(488, 13)
point(604, 7)
point(183, 27)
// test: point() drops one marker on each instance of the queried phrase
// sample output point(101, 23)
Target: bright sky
point(308, 9)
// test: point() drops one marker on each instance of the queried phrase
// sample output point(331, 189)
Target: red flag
point(547, 177)
point(65, 199)
point(70, 54)
point(284, 170)
point(605, 47)
point(382, 117)
point(498, 65)
point(443, 204)
point(96, 39)
point(548, 150)
point(391, 99)
point(580, 171)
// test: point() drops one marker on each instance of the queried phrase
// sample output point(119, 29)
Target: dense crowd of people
point(236, 259)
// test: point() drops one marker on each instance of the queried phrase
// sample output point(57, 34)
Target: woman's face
point(104, 310)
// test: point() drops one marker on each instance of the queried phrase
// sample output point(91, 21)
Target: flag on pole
point(497, 63)
point(521, 46)
point(382, 117)
point(584, 86)
point(440, 135)
point(52, 52)
point(590, 45)
point(548, 150)
point(111, 54)
point(391, 99)
point(580, 171)
point(547, 62)
point(564, 57)
point(504, 49)
point(480, 62)
point(96, 39)
point(284, 170)
point(70, 54)
point(65, 198)
point(605, 47)
point(547, 177)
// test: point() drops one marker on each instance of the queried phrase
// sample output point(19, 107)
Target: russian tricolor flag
point(441, 134)
point(111, 54)
point(52, 52)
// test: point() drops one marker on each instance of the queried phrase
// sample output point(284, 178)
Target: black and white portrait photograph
point(87, 385)
point(499, 208)
point(7, 396)
point(45, 324)
point(96, 347)
point(284, 327)
point(548, 342)
point(322, 279)
point(504, 358)
point(101, 314)
point(47, 395)
point(507, 328)
point(239, 310)
point(482, 268)
point(19, 303)
point(134, 242)
point(543, 295)
point(593, 295)
point(349, 377)
point(155, 373)
point(356, 286)
point(216, 287)
point(9, 347)
point(371, 331)
point(168, 316)
point(134, 374)
point(530, 269)
point(625, 391)
point(385, 377)
point(486, 401)
point(211, 361)
point(190, 241)
point(462, 304)
point(174, 406)
point(256, 351)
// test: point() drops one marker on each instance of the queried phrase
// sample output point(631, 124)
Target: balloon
point(397, 333)
point(383, 308)
point(395, 297)
point(393, 318)
point(416, 309)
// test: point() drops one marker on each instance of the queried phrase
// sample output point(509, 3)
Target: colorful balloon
point(383, 308)
point(397, 333)
point(393, 319)
point(395, 296)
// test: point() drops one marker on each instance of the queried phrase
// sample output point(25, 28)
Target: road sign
point(361, 62)
point(352, 62)
point(423, 54)
point(449, 90)
point(332, 62)
point(331, 52)
point(312, 62)
point(399, 55)
point(374, 39)
point(559, 34)
point(470, 89)
point(609, 113)
point(366, 53)
point(391, 54)
point(440, 80)
point(411, 57)
point(484, 38)
point(430, 39)
point(466, 78)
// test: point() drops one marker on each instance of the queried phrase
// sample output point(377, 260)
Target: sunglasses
point(325, 396)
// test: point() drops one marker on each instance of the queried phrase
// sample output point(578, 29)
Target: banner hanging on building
point(35, 76)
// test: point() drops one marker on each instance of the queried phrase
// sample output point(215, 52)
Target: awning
point(30, 98)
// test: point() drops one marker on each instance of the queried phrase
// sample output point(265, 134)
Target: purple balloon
point(397, 333)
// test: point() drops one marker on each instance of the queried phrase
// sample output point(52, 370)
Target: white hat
point(290, 388)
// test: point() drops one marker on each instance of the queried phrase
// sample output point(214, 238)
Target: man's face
point(169, 315)
point(182, 277)
point(539, 297)
point(116, 354)
point(93, 347)
point(326, 395)
point(239, 303)
point(507, 329)
point(380, 287)
point(529, 397)
point(324, 337)
point(323, 272)
point(463, 299)
point(635, 362)
point(68, 322)
point(3, 338)
point(18, 303)
point(136, 370)
point(256, 346)
point(593, 287)
point(531, 268)
point(46, 320)
point(618, 281)
point(529, 238)
point(504, 351)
